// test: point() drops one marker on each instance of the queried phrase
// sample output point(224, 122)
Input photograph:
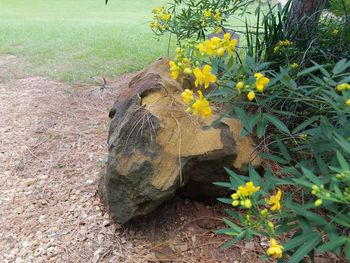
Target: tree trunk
point(304, 18)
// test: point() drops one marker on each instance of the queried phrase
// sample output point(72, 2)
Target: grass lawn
point(73, 40)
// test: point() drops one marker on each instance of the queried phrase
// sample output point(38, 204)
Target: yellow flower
point(275, 250)
point(175, 70)
point(318, 202)
point(274, 201)
point(154, 24)
point(202, 49)
point(187, 96)
point(207, 13)
point(251, 95)
point(261, 82)
point(204, 77)
point(230, 45)
point(248, 190)
point(240, 85)
point(217, 16)
point(201, 106)
point(247, 203)
point(235, 196)
point(347, 103)
point(166, 16)
point(294, 66)
point(343, 86)
point(220, 52)
point(235, 203)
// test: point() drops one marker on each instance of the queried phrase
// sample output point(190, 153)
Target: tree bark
point(304, 17)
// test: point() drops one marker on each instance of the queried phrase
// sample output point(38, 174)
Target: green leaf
point(225, 200)
point(276, 122)
point(232, 225)
point(237, 181)
point(233, 214)
point(299, 210)
point(302, 182)
point(254, 176)
point(333, 244)
point(223, 184)
point(305, 249)
point(309, 70)
point(340, 66)
point(342, 142)
point(347, 250)
point(273, 158)
point(342, 220)
point(230, 62)
point(297, 241)
point(244, 119)
point(284, 150)
point(230, 243)
point(260, 129)
point(343, 163)
point(303, 125)
point(313, 178)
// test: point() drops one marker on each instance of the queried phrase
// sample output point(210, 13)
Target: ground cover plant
point(290, 88)
point(76, 40)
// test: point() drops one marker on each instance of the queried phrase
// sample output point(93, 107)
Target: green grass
point(73, 40)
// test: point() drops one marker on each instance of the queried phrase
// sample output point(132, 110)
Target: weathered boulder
point(156, 148)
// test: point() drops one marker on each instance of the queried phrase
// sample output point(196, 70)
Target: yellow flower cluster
point(217, 16)
point(319, 191)
point(204, 76)
point(243, 195)
point(260, 84)
point(281, 44)
point(161, 18)
point(182, 64)
point(343, 86)
point(200, 106)
point(275, 250)
point(217, 46)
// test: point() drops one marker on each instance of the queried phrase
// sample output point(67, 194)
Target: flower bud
point(318, 202)
point(264, 212)
point(235, 196)
point(271, 226)
point(188, 71)
point(315, 188)
point(235, 203)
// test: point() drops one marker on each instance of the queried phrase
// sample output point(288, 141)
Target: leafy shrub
point(297, 104)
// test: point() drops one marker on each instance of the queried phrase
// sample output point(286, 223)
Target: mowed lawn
point(74, 40)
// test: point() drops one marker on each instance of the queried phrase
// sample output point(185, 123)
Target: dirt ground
point(52, 146)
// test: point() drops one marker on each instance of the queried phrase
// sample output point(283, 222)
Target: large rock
point(156, 148)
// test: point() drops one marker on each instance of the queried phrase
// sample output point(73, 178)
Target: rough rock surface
point(157, 149)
